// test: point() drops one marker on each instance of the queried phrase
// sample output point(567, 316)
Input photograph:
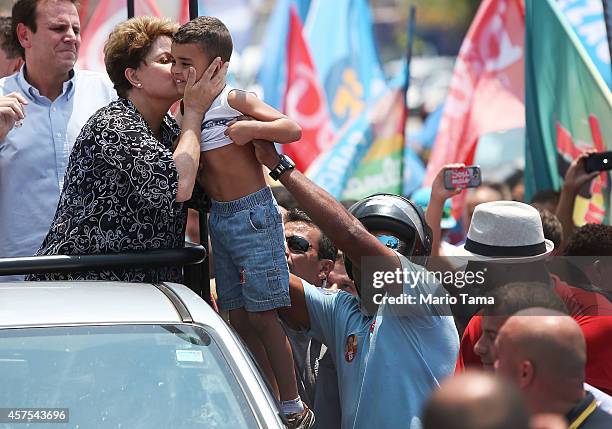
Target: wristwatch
point(285, 164)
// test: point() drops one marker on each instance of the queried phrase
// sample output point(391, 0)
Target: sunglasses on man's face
point(297, 244)
point(390, 241)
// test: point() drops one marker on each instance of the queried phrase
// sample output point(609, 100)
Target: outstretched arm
point(575, 178)
point(435, 208)
point(269, 123)
point(346, 232)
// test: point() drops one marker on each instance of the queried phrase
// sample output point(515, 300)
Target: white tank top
point(215, 122)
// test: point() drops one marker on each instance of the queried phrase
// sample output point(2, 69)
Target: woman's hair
point(128, 45)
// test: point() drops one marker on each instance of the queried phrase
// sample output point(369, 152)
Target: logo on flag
point(486, 92)
point(304, 100)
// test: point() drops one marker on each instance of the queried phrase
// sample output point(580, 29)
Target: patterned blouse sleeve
point(128, 145)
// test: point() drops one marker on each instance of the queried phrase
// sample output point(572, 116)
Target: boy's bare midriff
point(230, 172)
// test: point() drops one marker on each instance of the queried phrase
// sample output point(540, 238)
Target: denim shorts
point(248, 245)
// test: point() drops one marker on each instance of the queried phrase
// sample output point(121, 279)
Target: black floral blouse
point(119, 195)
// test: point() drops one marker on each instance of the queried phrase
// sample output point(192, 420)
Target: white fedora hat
point(506, 231)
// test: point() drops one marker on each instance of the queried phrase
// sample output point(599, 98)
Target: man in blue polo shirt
point(390, 357)
point(42, 111)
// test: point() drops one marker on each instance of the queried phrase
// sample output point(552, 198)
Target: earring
point(139, 85)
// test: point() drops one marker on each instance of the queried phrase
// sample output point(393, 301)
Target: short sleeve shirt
point(387, 364)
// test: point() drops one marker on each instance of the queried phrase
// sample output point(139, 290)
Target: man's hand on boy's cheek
point(241, 132)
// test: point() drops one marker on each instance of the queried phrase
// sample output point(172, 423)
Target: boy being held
point(246, 228)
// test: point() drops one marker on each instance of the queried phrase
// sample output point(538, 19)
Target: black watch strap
point(285, 164)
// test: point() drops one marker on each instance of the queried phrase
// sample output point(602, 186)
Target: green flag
point(381, 167)
point(568, 107)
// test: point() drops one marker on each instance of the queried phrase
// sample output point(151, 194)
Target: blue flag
point(272, 74)
point(341, 41)
point(333, 169)
point(413, 171)
point(587, 20)
point(367, 155)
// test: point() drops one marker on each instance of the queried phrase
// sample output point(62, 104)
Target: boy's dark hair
point(210, 34)
point(7, 41)
point(553, 230)
point(24, 12)
point(591, 239)
point(327, 250)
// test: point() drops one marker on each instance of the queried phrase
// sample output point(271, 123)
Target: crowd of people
point(95, 163)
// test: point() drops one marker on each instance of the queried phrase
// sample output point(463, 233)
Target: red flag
point(107, 15)
point(487, 87)
point(184, 13)
point(304, 99)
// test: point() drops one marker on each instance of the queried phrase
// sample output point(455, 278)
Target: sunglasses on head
point(297, 244)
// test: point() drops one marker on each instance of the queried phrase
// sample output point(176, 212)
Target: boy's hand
point(199, 95)
point(242, 130)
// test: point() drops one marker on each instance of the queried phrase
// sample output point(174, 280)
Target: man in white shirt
point(42, 111)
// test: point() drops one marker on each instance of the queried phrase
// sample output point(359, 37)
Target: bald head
point(475, 400)
point(544, 352)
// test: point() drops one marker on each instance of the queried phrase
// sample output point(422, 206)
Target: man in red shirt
point(509, 242)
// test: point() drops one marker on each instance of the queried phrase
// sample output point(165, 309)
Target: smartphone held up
point(462, 177)
point(598, 161)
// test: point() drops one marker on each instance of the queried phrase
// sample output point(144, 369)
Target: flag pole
point(130, 8)
point(607, 19)
point(410, 32)
point(84, 12)
point(203, 277)
point(193, 9)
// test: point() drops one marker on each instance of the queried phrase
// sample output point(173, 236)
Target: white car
point(123, 355)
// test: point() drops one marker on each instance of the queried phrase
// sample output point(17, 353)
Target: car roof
point(94, 302)
point(61, 303)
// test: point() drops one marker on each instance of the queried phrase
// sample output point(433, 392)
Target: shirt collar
point(33, 93)
point(581, 407)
